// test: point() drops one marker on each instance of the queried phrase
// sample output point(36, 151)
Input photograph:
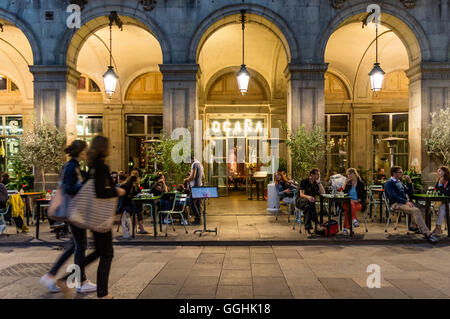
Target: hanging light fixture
point(377, 73)
point(110, 77)
point(243, 76)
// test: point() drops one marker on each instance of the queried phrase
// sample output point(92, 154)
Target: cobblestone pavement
point(415, 271)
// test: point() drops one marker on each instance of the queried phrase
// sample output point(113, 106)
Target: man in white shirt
point(196, 179)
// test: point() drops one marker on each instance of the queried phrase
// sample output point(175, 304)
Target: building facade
point(177, 61)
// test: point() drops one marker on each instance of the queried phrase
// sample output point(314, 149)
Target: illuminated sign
point(237, 127)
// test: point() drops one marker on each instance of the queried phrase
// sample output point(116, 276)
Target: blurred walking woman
point(71, 184)
point(104, 188)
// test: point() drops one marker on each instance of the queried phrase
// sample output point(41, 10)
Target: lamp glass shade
point(110, 79)
point(243, 78)
point(376, 77)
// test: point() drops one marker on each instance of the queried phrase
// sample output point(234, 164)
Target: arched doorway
point(357, 119)
point(128, 115)
point(16, 91)
point(233, 154)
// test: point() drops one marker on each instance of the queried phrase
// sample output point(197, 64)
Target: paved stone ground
point(238, 219)
point(303, 272)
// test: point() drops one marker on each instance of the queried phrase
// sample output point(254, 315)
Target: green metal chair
point(373, 203)
point(4, 212)
point(178, 207)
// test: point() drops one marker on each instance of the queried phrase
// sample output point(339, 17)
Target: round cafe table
point(433, 198)
point(27, 196)
point(39, 202)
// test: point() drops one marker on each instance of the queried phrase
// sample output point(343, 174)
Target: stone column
point(55, 96)
point(55, 100)
point(305, 96)
point(180, 96)
point(429, 91)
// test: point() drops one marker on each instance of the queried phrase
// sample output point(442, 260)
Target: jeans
point(196, 207)
point(441, 215)
point(77, 246)
point(310, 214)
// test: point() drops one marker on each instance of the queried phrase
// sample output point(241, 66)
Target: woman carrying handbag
point(71, 182)
point(94, 208)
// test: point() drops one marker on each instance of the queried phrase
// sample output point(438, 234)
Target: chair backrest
point(386, 201)
point(179, 202)
point(12, 192)
point(372, 187)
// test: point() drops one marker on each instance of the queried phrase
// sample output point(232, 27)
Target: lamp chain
point(243, 34)
point(376, 41)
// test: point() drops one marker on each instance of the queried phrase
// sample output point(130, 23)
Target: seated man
point(3, 200)
point(310, 188)
point(396, 194)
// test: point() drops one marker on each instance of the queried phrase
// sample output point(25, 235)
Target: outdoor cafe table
point(39, 202)
point(137, 203)
point(380, 192)
point(331, 199)
point(27, 196)
point(433, 198)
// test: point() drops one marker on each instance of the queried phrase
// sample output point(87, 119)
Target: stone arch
point(97, 18)
point(29, 34)
point(255, 14)
point(136, 77)
point(342, 79)
point(234, 69)
point(405, 26)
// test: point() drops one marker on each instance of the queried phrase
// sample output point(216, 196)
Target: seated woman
point(159, 189)
point(284, 188)
point(3, 200)
point(355, 188)
point(443, 187)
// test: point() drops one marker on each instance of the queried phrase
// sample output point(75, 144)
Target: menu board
point(204, 192)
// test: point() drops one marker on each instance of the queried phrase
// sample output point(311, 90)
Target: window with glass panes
point(337, 133)
point(11, 132)
point(386, 125)
point(88, 126)
point(141, 128)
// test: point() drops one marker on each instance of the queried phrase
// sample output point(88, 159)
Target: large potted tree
point(42, 148)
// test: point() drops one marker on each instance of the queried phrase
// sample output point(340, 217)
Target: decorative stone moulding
point(337, 4)
point(148, 5)
point(81, 3)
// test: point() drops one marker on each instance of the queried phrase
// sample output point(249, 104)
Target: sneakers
point(355, 223)
point(49, 283)
point(167, 221)
point(345, 232)
point(184, 222)
point(2, 229)
point(432, 239)
point(87, 287)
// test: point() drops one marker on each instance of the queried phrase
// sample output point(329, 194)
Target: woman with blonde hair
point(355, 188)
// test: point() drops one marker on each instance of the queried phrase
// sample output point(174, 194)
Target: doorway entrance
point(237, 146)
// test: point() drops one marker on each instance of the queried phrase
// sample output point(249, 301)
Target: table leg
point(427, 214)
point(447, 217)
point(321, 209)
point(155, 229)
point(330, 203)
point(381, 206)
point(133, 222)
point(38, 208)
point(27, 211)
point(370, 210)
point(349, 203)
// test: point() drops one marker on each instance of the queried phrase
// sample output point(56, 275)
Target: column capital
point(179, 72)
point(54, 73)
point(429, 71)
point(307, 71)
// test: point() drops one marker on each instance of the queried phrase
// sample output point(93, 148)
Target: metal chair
point(178, 207)
point(3, 213)
point(392, 211)
point(373, 203)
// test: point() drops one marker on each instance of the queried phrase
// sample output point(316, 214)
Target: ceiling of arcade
point(135, 52)
point(15, 57)
point(350, 53)
point(264, 53)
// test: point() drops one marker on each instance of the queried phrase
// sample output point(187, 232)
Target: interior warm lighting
point(376, 77)
point(110, 78)
point(243, 78)
point(377, 73)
